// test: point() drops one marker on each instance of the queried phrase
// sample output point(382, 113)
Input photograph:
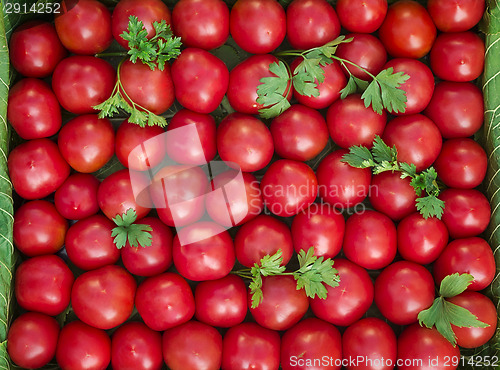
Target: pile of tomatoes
point(188, 310)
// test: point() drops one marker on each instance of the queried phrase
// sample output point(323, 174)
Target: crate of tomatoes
point(249, 184)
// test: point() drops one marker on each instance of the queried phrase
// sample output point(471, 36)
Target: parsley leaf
point(127, 231)
point(359, 157)
point(272, 91)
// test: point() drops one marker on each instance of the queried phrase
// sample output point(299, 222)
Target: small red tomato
point(135, 346)
point(192, 346)
point(457, 15)
point(35, 49)
point(37, 168)
point(364, 16)
point(38, 228)
point(221, 302)
point(76, 198)
point(32, 340)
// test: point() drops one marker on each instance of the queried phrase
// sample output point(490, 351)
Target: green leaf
point(330, 48)
point(373, 97)
point(384, 92)
point(359, 157)
point(304, 85)
point(383, 152)
point(455, 284)
point(271, 265)
point(407, 169)
point(273, 90)
point(311, 69)
point(126, 231)
point(256, 290)
point(430, 206)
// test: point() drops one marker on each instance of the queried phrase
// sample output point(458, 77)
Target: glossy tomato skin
point(37, 168)
point(32, 340)
point(455, 16)
point(87, 142)
point(347, 304)
point(351, 123)
point(81, 82)
point(467, 212)
point(402, 290)
point(84, 27)
point(417, 344)
point(309, 340)
point(81, 346)
point(38, 228)
point(469, 255)
point(154, 259)
point(311, 23)
point(134, 345)
point(164, 301)
point(462, 163)
point(76, 198)
point(288, 187)
point(457, 109)
point(152, 90)
point(457, 56)
point(320, 226)
point(33, 109)
point(89, 243)
point(43, 284)
point(361, 15)
point(201, 24)
point(147, 11)
point(246, 141)
point(420, 239)
point(112, 290)
point(200, 80)
point(221, 302)
point(35, 49)
point(250, 346)
point(185, 148)
point(193, 337)
point(373, 339)
point(257, 26)
point(341, 185)
point(483, 308)
point(408, 30)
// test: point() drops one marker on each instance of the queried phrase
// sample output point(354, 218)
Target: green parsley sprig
point(381, 158)
point(128, 231)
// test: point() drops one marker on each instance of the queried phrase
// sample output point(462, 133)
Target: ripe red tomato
point(112, 290)
point(186, 146)
point(469, 255)
point(135, 346)
point(147, 11)
point(89, 244)
point(457, 109)
point(32, 340)
point(250, 346)
point(462, 163)
point(294, 140)
point(311, 344)
point(38, 228)
point(35, 49)
point(156, 258)
point(76, 198)
point(81, 346)
point(221, 302)
point(152, 90)
point(466, 213)
point(418, 346)
point(257, 26)
point(201, 23)
point(200, 80)
point(87, 142)
point(420, 239)
point(320, 226)
point(81, 82)
point(364, 16)
point(341, 185)
point(349, 301)
point(402, 290)
point(37, 168)
point(193, 337)
point(246, 141)
point(370, 239)
point(408, 30)
point(455, 16)
point(84, 27)
point(483, 308)
point(373, 340)
point(43, 284)
point(458, 56)
point(282, 305)
point(33, 109)
point(164, 301)
point(311, 23)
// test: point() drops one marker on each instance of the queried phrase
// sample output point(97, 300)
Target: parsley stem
point(111, 54)
point(344, 61)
